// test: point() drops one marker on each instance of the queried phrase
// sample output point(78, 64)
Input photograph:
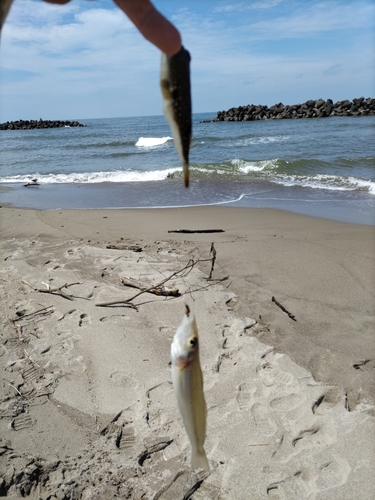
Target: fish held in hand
point(187, 382)
point(175, 87)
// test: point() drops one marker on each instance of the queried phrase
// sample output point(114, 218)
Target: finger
point(152, 24)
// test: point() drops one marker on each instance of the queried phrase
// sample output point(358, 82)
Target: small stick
point(132, 248)
point(15, 388)
point(28, 357)
point(196, 231)
point(258, 444)
point(190, 265)
point(27, 283)
point(33, 333)
point(59, 291)
point(39, 311)
point(162, 290)
point(283, 309)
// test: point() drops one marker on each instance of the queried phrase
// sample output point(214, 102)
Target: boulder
point(33, 124)
point(310, 109)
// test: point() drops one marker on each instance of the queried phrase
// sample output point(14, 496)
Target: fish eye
point(193, 342)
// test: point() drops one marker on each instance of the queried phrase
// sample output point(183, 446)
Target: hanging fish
point(188, 387)
point(175, 87)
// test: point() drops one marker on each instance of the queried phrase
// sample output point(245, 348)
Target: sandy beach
point(87, 407)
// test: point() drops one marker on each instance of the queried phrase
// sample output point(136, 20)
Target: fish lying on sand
point(175, 87)
point(188, 386)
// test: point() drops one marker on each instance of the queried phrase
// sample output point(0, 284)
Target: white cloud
point(264, 4)
point(86, 59)
point(312, 19)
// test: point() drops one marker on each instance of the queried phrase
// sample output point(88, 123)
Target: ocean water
point(319, 167)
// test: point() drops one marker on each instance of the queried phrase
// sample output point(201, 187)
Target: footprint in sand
point(325, 471)
point(291, 488)
point(125, 436)
point(263, 421)
point(245, 395)
point(160, 405)
point(122, 429)
point(287, 403)
point(123, 379)
point(31, 372)
point(23, 421)
point(172, 451)
point(327, 401)
point(153, 452)
point(333, 472)
point(114, 319)
point(270, 375)
point(316, 435)
point(210, 488)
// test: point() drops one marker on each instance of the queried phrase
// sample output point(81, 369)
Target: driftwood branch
point(188, 231)
point(133, 248)
point(33, 183)
point(156, 290)
point(43, 312)
point(188, 267)
point(283, 309)
point(59, 290)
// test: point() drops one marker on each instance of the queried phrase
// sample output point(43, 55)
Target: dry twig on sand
point(40, 312)
point(58, 290)
point(157, 290)
point(186, 269)
point(132, 248)
point(31, 359)
point(189, 231)
point(283, 309)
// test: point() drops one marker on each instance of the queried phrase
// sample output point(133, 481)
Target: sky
point(86, 60)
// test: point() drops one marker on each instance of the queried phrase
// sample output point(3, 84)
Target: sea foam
point(148, 142)
point(329, 182)
point(93, 177)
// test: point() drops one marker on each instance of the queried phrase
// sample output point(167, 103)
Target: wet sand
point(87, 405)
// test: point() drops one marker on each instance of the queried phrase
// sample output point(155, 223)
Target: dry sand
point(87, 408)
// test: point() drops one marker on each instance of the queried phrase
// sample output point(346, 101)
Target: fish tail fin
point(199, 460)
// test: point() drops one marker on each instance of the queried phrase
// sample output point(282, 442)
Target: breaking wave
point(93, 177)
point(149, 142)
point(331, 182)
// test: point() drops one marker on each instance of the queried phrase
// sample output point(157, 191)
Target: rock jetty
point(309, 109)
point(30, 124)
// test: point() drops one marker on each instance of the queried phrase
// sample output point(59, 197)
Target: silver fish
point(175, 87)
point(188, 387)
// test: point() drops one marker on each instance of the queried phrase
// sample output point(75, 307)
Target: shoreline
point(344, 206)
point(283, 396)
